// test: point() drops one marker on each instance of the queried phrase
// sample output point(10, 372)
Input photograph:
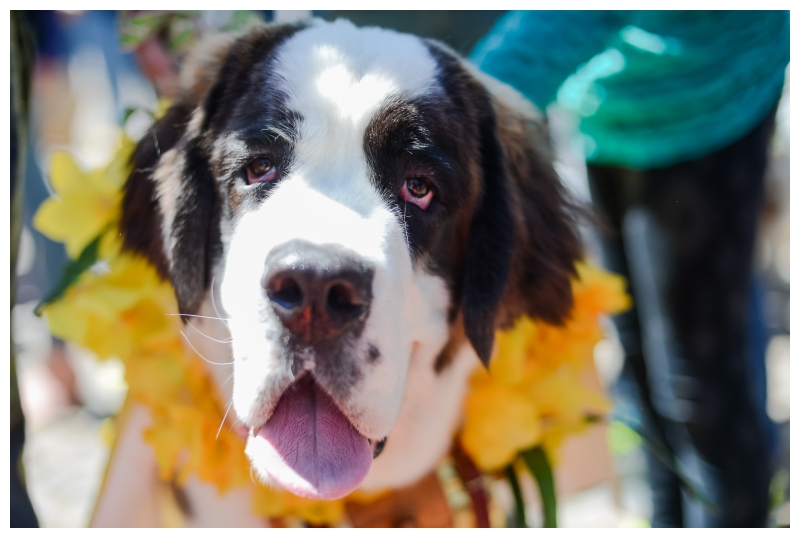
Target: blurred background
point(94, 73)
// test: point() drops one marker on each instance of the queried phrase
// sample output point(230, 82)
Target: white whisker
point(207, 336)
point(200, 355)
point(213, 302)
point(196, 316)
point(228, 380)
point(223, 419)
point(279, 133)
point(234, 424)
point(405, 226)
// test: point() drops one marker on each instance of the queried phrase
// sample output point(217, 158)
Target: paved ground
point(64, 463)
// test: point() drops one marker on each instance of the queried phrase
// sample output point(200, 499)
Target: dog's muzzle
point(321, 296)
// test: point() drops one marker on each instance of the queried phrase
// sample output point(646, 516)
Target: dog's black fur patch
point(195, 230)
point(141, 220)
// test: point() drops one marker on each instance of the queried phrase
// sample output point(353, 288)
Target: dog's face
point(366, 206)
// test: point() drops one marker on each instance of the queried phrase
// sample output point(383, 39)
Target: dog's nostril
point(285, 291)
point(317, 291)
point(343, 299)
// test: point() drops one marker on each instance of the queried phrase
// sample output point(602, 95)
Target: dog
point(365, 209)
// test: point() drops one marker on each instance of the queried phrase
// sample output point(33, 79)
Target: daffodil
point(115, 310)
point(270, 502)
point(84, 202)
point(598, 291)
point(536, 390)
point(500, 421)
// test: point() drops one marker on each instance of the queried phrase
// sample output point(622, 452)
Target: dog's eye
point(418, 191)
point(260, 170)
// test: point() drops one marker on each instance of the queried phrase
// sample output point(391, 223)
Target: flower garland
point(114, 304)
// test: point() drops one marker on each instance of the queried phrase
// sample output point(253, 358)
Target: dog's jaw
point(431, 406)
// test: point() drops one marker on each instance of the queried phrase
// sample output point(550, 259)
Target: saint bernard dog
point(361, 210)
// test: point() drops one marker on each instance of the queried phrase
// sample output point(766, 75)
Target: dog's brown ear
point(547, 242)
point(489, 241)
point(523, 241)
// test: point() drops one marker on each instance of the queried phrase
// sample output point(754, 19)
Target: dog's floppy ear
point(171, 208)
point(548, 243)
point(489, 242)
point(523, 241)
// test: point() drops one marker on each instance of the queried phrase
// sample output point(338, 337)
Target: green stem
point(72, 271)
point(519, 503)
point(536, 460)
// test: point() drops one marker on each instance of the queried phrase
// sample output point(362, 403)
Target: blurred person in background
point(676, 113)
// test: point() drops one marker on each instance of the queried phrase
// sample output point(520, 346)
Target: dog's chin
point(309, 447)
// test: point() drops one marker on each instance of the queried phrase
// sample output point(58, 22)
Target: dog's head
point(367, 203)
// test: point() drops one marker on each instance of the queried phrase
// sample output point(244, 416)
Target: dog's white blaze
point(337, 76)
point(351, 98)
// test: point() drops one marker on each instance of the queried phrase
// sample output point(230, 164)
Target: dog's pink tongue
point(309, 447)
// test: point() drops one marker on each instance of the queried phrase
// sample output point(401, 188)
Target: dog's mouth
point(309, 447)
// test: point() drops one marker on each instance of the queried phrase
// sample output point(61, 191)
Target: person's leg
point(613, 190)
point(692, 239)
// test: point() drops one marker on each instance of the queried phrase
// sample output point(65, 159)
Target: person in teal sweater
point(676, 111)
point(652, 88)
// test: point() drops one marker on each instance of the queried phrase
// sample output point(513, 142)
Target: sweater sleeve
point(535, 51)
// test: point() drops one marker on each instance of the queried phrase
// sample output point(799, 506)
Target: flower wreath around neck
point(516, 413)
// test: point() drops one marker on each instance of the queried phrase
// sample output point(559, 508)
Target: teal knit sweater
point(652, 88)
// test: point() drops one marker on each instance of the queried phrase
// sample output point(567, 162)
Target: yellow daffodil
point(113, 310)
point(270, 502)
point(600, 292)
point(535, 391)
point(500, 421)
point(84, 203)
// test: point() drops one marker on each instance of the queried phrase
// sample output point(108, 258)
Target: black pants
point(684, 237)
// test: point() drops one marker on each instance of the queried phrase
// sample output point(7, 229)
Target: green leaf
point(240, 20)
point(778, 488)
point(135, 29)
point(182, 37)
point(150, 21)
point(622, 439)
point(519, 503)
point(71, 272)
point(131, 41)
point(536, 460)
point(128, 113)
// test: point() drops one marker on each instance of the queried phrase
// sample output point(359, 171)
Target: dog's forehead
point(350, 71)
point(336, 77)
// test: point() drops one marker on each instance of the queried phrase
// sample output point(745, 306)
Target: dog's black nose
point(317, 291)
